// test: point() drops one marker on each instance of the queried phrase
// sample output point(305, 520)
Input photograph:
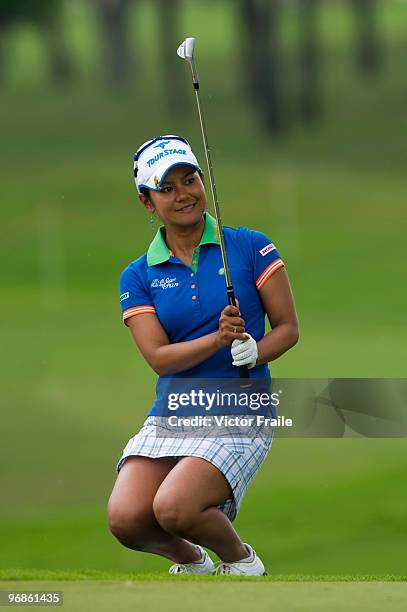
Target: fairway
point(203, 594)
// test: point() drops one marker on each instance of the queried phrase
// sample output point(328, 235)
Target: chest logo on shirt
point(164, 283)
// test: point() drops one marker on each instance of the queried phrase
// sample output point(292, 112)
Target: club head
point(186, 49)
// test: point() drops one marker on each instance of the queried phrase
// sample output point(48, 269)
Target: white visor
point(157, 156)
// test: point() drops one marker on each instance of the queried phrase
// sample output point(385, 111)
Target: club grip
point(243, 370)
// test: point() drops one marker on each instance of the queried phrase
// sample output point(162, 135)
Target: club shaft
point(213, 187)
point(243, 370)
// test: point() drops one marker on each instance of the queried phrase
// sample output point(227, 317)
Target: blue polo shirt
point(188, 300)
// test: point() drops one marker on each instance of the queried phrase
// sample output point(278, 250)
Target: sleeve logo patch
point(124, 296)
point(267, 249)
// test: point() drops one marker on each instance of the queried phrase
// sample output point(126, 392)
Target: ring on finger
point(234, 330)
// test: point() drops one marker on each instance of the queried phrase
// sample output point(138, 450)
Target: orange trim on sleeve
point(136, 310)
point(265, 275)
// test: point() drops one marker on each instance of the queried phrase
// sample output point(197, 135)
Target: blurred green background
point(321, 170)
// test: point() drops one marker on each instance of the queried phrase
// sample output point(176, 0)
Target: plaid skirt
point(238, 458)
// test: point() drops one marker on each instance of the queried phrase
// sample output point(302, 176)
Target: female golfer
point(175, 495)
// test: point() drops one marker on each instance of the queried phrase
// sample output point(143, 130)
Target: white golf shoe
point(250, 566)
point(204, 566)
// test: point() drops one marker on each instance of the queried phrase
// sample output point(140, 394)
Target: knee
point(130, 526)
point(173, 515)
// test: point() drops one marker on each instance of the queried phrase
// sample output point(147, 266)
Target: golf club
point(186, 51)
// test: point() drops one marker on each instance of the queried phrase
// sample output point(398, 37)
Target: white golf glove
point(244, 352)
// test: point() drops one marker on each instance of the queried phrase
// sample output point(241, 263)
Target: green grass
point(299, 518)
point(17, 575)
point(200, 595)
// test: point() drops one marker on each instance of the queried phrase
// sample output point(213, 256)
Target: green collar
point(158, 252)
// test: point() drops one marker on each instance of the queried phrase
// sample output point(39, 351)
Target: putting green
point(209, 593)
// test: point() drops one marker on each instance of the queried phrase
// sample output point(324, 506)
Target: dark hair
point(146, 192)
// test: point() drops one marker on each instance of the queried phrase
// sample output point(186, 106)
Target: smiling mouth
point(187, 208)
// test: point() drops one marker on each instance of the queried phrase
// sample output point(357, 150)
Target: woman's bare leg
point(185, 506)
point(130, 510)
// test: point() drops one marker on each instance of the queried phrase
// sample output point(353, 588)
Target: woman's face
point(181, 200)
